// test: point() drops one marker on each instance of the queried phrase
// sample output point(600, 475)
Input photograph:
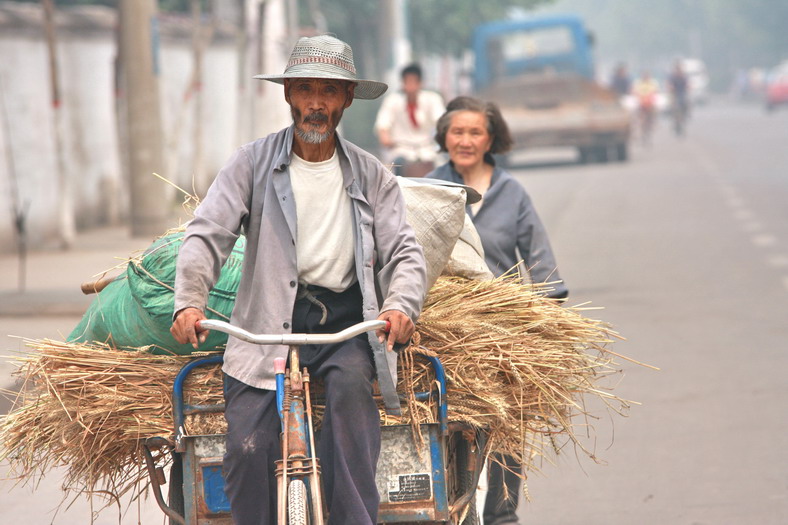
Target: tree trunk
point(66, 222)
point(139, 61)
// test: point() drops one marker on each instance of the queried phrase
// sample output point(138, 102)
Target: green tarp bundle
point(135, 310)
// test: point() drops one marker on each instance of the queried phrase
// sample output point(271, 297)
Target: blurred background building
point(208, 104)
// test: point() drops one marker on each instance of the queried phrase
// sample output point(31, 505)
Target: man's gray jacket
point(252, 193)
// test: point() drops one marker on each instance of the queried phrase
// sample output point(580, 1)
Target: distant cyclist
point(405, 125)
point(679, 96)
point(620, 82)
point(646, 90)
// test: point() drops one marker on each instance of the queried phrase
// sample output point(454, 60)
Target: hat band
point(323, 60)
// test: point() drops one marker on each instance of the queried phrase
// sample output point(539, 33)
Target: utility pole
point(292, 21)
point(66, 222)
point(400, 51)
point(243, 37)
point(403, 52)
point(139, 42)
point(198, 52)
point(318, 18)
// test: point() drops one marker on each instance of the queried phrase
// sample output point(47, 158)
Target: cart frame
point(416, 487)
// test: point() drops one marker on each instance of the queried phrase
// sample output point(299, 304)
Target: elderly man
point(327, 247)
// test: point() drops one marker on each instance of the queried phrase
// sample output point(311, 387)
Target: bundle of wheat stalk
point(88, 406)
point(517, 364)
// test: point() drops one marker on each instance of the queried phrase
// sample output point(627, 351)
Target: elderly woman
point(471, 132)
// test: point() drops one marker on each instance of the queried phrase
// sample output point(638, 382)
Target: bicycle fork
point(298, 466)
point(299, 462)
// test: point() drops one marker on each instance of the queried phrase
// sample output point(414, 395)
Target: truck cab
point(511, 48)
point(540, 71)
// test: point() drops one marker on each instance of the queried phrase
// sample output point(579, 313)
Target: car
point(777, 87)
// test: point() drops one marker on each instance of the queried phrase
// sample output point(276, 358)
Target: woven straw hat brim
point(365, 89)
point(325, 56)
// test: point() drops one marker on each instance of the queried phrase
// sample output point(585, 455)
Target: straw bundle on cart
point(517, 363)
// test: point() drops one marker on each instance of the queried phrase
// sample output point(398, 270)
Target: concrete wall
point(93, 158)
point(27, 132)
point(219, 111)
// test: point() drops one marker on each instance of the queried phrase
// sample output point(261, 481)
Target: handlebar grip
point(387, 329)
point(96, 286)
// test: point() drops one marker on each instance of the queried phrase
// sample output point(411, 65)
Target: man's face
point(317, 105)
point(411, 84)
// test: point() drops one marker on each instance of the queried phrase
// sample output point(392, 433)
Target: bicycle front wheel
point(297, 504)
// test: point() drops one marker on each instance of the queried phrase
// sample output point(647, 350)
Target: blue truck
point(540, 72)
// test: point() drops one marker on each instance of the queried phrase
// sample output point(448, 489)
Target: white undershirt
point(324, 235)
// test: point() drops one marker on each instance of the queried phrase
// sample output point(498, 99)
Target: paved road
point(686, 247)
point(51, 307)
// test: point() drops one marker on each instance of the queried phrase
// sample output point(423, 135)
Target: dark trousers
point(503, 491)
point(349, 438)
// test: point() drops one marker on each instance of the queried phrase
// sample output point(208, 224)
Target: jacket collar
point(456, 177)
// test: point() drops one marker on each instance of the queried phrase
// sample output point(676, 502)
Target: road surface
point(686, 248)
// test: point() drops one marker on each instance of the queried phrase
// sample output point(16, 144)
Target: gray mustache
point(316, 117)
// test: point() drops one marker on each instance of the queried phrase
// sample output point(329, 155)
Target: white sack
point(437, 214)
point(467, 258)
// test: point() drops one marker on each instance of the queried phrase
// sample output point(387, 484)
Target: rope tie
point(311, 296)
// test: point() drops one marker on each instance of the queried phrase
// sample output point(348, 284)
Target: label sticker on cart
point(410, 487)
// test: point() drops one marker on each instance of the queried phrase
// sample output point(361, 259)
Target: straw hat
point(326, 57)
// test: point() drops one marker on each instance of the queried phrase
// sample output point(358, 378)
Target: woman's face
point(467, 139)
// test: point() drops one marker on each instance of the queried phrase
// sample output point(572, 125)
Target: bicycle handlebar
point(292, 339)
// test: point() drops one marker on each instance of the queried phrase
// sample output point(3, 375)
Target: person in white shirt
point(405, 125)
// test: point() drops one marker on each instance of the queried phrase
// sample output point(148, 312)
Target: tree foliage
point(435, 26)
point(181, 6)
point(64, 3)
point(726, 34)
point(446, 26)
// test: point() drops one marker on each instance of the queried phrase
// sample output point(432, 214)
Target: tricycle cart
point(432, 483)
